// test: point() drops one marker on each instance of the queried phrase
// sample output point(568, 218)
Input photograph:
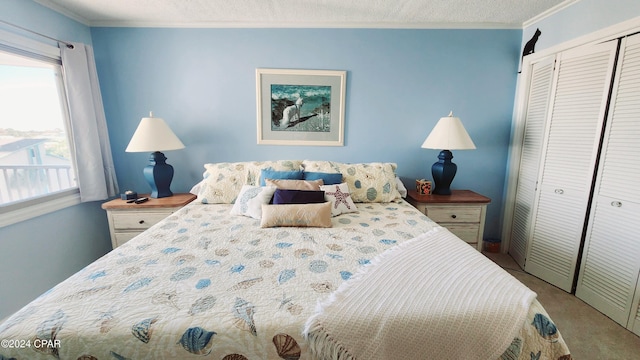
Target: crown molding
point(64, 11)
point(554, 10)
point(295, 25)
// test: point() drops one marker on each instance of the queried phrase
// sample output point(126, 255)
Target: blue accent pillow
point(272, 174)
point(282, 196)
point(328, 178)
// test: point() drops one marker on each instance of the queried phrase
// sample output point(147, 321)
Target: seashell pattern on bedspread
point(206, 283)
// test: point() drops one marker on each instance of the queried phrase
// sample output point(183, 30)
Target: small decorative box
point(423, 187)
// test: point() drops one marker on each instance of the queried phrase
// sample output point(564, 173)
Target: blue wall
point(581, 18)
point(399, 83)
point(39, 253)
point(40, 19)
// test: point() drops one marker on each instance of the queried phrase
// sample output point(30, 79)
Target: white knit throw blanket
point(432, 297)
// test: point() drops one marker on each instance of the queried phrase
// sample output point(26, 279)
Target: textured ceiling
point(307, 13)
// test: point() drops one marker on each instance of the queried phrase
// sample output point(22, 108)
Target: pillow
point(328, 178)
point(402, 190)
point(300, 215)
point(295, 184)
point(250, 200)
point(273, 174)
point(254, 168)
point(222, 183)
point(195, 190)
point(283, 196)
point(340, 199)
point(368, 182)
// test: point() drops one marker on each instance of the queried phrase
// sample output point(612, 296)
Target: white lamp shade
point(153, 134)
point(449, 134)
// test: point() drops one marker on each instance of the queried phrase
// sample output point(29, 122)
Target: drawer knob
point(616, 203)
point(141, 222)
point(559, 191)
point(453, 216)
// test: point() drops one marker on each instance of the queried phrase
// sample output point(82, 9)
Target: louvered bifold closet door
point(579, 97)
point(533, 136)
point(611, 258)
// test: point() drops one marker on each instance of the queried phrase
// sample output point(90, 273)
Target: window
point(36, 162)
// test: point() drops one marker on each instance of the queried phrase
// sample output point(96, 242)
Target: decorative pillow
point(273, 174)
point(195, 190)
point(300, 215)
point(328, 178)
point(250, 200)
point(340, 198)
point(402, 190)
point(295, 184)
point(254, 168)
point(283, 196)
point(222, 182)
point(368, 182)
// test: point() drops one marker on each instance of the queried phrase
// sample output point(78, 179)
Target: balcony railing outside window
point(36, 161)
point(21, 182)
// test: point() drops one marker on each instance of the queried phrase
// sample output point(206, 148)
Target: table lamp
point(154, 135)
point(448, 134)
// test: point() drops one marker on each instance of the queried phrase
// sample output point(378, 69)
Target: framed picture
point(300, 107)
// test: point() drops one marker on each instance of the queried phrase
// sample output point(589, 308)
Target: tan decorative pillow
point(287, 184)
point(296, 215)
point(368, 182)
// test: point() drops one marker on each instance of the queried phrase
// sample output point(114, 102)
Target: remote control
point(141, 200)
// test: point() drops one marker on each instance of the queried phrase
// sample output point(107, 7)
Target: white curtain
point(96, 174)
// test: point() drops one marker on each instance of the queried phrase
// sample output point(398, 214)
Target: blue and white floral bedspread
point(203, 282)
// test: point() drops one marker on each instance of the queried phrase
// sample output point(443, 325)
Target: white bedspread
point(448, 302)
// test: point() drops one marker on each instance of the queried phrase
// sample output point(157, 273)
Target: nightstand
point(463, 212)
point(128, 220)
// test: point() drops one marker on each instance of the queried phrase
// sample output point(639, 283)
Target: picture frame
point(300, 107)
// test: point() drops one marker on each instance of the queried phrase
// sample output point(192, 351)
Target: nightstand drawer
point(123, 237)
point(454, 214)
point(467, 232)
point(137, 220)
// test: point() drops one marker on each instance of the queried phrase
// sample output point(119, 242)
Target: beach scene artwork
point(302, 108)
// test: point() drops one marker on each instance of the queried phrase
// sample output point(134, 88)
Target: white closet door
point(579, 98)
point(611, 259)
point(533, 137)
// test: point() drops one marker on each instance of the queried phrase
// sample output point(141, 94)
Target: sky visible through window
point(35, 159)
point(29, 99)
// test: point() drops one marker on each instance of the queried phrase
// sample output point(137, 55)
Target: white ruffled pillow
point(250, 200)
point(340, 198)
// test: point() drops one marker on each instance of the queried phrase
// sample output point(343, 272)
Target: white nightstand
point(463, 212)
point(128, 220)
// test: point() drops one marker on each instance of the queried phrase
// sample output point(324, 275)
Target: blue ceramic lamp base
point(443, 172)
point(159, 175)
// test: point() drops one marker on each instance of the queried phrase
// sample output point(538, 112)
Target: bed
point(217, 280)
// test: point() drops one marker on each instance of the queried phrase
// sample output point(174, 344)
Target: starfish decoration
point(340, 198)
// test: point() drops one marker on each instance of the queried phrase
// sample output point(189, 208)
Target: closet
point(577, 200)
point(611, 262)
